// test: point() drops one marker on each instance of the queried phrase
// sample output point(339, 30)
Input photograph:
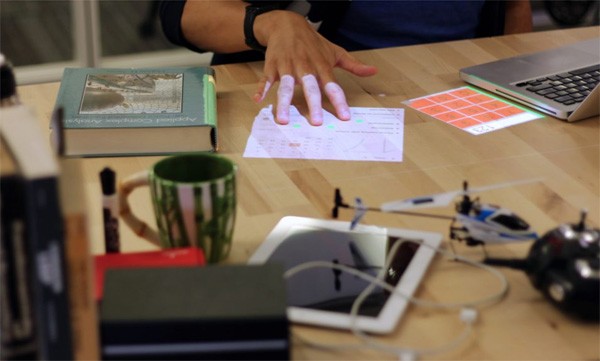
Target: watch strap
point(252, 11)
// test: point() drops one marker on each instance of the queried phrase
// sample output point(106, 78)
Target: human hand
point(297, 54)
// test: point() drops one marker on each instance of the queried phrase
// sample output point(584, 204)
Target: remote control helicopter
point(475, 223)
point(564, 263)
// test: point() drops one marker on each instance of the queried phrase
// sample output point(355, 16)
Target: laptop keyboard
point(567, 88)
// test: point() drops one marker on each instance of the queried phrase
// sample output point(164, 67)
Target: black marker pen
point(110, 210)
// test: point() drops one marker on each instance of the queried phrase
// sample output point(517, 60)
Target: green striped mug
point(194, 200)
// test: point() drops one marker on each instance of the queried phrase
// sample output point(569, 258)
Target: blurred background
point(42, 37)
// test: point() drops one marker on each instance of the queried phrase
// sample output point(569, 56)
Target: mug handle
point(139, 227)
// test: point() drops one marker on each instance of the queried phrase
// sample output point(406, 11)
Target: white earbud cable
point(468, 315)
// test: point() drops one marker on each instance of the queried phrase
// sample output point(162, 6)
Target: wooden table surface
point(437, 158)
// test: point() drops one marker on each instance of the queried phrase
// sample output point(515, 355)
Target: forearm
point(219, 25)
point(518, 18)
point(214, 25)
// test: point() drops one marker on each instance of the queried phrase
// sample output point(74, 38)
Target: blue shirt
point(406, 22)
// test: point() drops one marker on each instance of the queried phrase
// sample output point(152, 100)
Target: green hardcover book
point(137, 111)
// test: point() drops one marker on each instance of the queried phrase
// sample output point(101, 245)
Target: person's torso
point(369, 24)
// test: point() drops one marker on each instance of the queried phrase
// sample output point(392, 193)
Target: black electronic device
point(564, 265)
point(227, 312)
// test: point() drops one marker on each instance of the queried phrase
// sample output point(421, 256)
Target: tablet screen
point(334, 290)
point(324, 295)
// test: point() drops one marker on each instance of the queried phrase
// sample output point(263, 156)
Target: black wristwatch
point(252, 11)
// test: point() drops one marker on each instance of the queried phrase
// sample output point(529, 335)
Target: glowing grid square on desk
point(472, 110)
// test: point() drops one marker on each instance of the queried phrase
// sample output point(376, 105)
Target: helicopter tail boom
point(514, 263)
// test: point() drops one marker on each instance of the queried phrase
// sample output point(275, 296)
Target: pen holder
point(194, 201)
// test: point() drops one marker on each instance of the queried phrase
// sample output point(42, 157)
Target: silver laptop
point(562, 82)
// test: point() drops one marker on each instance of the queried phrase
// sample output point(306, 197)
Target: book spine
point(36, 254)
point(35, 315)
point(84, 318)
point(210, 106)
point(46, 237)
point(17, 322)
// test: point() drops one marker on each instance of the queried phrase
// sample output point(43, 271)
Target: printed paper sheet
point(372, 134)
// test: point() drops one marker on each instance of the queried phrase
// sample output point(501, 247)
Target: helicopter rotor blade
point(444, 199)
point(500, 185)
point(359, 212)
point(434, 200)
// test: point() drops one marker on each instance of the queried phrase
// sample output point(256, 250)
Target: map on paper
point(472, 110)
point(372, 134)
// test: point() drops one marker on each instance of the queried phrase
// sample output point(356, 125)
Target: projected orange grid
point(464, 107)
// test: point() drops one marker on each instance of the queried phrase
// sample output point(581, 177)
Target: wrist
point(253, 12)
point(272, 22)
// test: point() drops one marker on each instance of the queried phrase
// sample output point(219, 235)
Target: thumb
point(356, 67)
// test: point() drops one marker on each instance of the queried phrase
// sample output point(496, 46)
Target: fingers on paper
point(285, 94)
point(338, 99)
point(312, 94)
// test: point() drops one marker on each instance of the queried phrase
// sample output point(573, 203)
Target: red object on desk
point(176, 257)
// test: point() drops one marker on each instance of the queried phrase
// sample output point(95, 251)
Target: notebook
point(562, 82)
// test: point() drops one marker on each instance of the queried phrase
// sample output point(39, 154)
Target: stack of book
point(47, 312)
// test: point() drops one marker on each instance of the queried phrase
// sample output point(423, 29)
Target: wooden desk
point(437, 158)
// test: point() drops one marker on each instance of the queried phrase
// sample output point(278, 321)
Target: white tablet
point(324, 296)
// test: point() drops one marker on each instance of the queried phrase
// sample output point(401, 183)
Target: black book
point(32, 245)
point(17, 326)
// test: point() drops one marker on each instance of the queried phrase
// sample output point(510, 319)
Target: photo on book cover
point(132, 94)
